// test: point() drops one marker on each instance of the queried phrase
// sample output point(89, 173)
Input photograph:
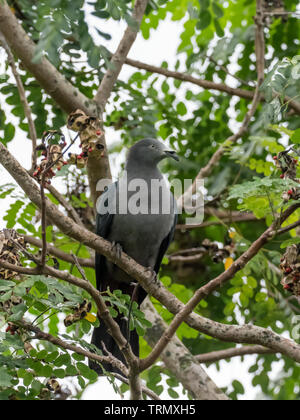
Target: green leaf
point(86, 372)
point(41, 354)
point(238, 387)
point(173, 393)
point(204, 20)
point(28, 378)
point(296, 137)
point(219, 30)
point(81, 382)
point(9, 132)
point(290, 242)
point(63, 359)
point(218, 11)
point(181, 109)
point(5, 378)
point(59, 373)
point(229, 308)
point(78, 357)
point(261, 297)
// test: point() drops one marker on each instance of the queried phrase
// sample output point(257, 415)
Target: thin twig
point(43, 221)
point(102, 309)
point(260, 57)
point(242, 218)
point(206, 290)
point(79, 268)
point(246, 334)
point(216, 356)
point(137, 272)
point(145, 390)
point(43, 199)
point(120, 55)
point(41, 335)
point(288, 228)
point(52, 250)
point(207, 84)
point(62, 200)
point(243, 82)
point(22, 93)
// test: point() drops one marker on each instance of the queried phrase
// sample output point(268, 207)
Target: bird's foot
point(154, 277)
point(117, 250)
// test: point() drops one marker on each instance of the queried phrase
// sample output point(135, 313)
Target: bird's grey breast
point(146, 223)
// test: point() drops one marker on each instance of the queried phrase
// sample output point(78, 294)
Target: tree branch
point(103, 313)
point(41, 335)
point(211, 286)
point(234, 219)
point(260, 42)
point(260, 57)
point(27, 110)
point(52, 250)
point(185, 77)
point(145, 390)
point(120, 55)
point(216, 356)
point(207, 84)
point(180, 361)
point(245, 334)
point(69, 208)
point(67, 96)
point(143, 276)
point(63, 92)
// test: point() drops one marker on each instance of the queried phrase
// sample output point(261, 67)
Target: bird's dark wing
point(103, 224)
point(101, 335)
point(166, 242)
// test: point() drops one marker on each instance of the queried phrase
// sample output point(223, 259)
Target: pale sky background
point(161, 46)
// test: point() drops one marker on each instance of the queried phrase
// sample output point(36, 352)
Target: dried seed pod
point(11, 328)
point(45, 394)
point(288, 165)
point(290, 265)
point(292, 194)
point(90, 134)
point(77, 160)
point(80, 312)
point(218, 254)
point(10, 244)
point(52, 151)
point(53, 386)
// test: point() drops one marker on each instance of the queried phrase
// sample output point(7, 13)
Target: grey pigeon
point(141, 224)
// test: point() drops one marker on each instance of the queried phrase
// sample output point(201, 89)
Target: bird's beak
point(171, 154)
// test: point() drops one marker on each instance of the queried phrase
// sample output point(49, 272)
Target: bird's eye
point(152, 146)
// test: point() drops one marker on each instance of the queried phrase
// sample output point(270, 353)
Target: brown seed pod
point(52, 152)
point(290, 265)
point(90, 135)
point(53, 386)
point(217, 254)
point(80, 312)
point(10, 245)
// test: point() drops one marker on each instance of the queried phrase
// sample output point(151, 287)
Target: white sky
point(161, 46)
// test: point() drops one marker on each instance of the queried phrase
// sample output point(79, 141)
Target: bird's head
point(150, 151)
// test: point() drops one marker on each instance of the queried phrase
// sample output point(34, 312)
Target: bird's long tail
point(101, 336)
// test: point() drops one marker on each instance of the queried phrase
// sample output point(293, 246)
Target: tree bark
point(180, 361)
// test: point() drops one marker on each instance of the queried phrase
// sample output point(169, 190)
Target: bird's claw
point(117, 250)
point(154, 277)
